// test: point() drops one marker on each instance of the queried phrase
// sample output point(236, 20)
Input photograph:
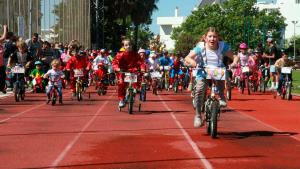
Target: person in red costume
point(78, 61)
point(127, 61)
point(101, 74)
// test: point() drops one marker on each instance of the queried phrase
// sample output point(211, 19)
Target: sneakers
point(170, 87)
point(122, 103)
point(278, 93)
point(222, 103)
point(198, 122)
point(60, 101)
point(48, 101)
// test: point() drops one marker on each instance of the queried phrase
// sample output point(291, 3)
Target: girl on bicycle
point(207, 54)
point(56, 75)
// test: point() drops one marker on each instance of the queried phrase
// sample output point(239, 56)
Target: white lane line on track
point(196, 149)
point(261, 122)
point(76, 138)
point(16, 115)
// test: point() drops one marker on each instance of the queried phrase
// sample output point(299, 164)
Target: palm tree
point(141, 13)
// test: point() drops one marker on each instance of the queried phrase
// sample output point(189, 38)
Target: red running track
point(256, 131)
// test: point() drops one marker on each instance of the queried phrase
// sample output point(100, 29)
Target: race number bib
point(18, 69)
point(130, 78)
point(155, 74)
point(166, 67)
point(245, 69)
point(78, 73)
point(286, 70)
point(215, 73)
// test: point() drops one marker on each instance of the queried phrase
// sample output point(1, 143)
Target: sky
point(167, 8)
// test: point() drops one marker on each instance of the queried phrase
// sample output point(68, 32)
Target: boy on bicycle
point(77, 61)
point(127, 61)
point(54, 74)
point(284, 61)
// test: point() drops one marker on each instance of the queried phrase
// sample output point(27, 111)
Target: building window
point(297, 1)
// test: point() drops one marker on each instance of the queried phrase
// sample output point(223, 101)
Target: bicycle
point(228, 83)
point(143, 94)
point(286, 89)
point(101, 85)
point(178, 82)
point(19, 85)
point(212, 106)
point(37, 85)
point(263, 76)
point(53, 92)
point(155, 76)
point(79, 86)
point(130, 79)
point(166, 75)
point(244, 80)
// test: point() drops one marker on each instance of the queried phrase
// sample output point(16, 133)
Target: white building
point(290, 9)
point(167, 24)
point(49, 35)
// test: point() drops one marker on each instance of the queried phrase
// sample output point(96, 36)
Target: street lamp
point(294, 22)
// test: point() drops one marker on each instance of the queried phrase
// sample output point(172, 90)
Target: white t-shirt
point(56, 76)
point(152, 63)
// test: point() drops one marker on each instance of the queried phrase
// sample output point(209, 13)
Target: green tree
point(237, 21)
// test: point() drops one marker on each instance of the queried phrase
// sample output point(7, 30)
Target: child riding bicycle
point(54, 74)
point(127, 61)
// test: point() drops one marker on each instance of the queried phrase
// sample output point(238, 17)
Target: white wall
point(290, 10)
point(167, 24)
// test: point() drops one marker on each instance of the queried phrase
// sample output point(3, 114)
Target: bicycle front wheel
point(214, 110)
point(130, 101)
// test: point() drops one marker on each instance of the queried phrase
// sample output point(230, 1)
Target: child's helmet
point(37, 62)
point(243, 46)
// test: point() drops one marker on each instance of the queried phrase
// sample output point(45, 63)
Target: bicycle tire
point(143, 93)
point(130, 101)
point(288, 91)
point(228, 91)
point(248, 86)
point(53, 99)
point(16, 92)
point(214, 110)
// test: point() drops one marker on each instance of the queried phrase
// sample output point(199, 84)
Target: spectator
point(2, 64)
point(34, 46)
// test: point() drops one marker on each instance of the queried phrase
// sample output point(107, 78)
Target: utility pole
point(7, 13)
point(30, 18)
point(295, 23)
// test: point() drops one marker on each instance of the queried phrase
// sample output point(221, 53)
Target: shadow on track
point(246, 134)
point(156, 112)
